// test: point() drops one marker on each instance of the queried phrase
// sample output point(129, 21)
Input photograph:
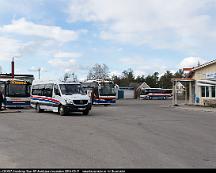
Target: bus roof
point(10, 79)
point(153, 88)
point(36, 82)
point(97, 80)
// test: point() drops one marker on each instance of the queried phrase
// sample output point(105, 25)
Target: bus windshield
point(69, 89)
point(18, 90)
point(107, 89)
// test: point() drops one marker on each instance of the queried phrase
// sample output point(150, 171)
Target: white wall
point(128, 94)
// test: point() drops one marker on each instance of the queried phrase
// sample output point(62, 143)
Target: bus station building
point(200, 85)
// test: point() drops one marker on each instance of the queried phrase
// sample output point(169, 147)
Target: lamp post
point(39, 70)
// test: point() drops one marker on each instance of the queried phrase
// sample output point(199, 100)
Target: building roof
point(143, 85)
point(190, 74)
point(204, 65)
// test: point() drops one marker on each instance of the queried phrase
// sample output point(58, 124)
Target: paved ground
point(132, 134)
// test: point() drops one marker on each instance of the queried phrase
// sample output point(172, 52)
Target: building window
point(207, 91)
point(203, 91)
point(213, 91)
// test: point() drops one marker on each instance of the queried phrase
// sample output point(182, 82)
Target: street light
point(39, 70)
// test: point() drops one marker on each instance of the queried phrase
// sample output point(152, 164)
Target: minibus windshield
point(69, 89)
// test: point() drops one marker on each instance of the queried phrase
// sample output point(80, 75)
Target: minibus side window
point(56, 90)
point(48, 90)
point(41, 90)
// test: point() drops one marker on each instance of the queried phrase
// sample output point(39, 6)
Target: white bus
point(59, 97)
point(156, 94)
point(101, 92)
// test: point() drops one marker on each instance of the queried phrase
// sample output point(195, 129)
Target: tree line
point(154, 80)
point(128, 78)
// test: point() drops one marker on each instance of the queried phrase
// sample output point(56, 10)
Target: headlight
point(69, 101)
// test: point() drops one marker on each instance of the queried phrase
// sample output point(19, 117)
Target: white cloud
point(190, 62)
point(11, 48)
point(62, 54)
point(178, 24)
point(66, 61)
point(115, 73)
point(66, 65)
point(28, 28)
point(142, 66)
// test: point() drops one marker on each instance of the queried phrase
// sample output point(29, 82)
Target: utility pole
point(39, 70)
point(12, 68)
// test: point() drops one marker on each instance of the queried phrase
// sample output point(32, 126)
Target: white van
point(59, 97)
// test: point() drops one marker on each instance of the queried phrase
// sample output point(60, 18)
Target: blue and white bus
point(16, 93)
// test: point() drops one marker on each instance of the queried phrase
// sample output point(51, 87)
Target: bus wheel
point(150, 98)
point(38, 109)
point(86, 112)
point(62, 111)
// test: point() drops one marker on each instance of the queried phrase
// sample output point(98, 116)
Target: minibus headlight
point(69, 101)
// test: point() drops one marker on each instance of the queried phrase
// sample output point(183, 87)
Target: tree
point(127, 77)
point(71, 76)
point(155, 77)
point(140, 79)
point(150, 81)
point(179, 74)
point(116, 79)
point(98, 71)
point(166, 80)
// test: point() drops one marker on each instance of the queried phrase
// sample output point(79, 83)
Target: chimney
point(12, 68)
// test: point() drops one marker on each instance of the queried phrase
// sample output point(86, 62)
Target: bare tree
point(98, 71)
point(71, 76)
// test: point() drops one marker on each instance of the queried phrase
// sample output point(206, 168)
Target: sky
point(62, 36)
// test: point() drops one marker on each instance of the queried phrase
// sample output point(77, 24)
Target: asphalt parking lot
point(131, 134)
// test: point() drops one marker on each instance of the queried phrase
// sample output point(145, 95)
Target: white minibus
point(59, 97)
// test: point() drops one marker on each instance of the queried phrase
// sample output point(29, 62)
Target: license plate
point(81, 109)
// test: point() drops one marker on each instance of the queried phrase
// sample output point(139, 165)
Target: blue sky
point(72, 35)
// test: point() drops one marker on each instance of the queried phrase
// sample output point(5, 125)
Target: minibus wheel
point(86, 112)
point(62, 110)
point(38, 109)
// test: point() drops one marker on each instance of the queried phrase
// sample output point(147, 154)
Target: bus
point(102, 92)
point(60, 97)
point(156, 94)
point(16, 93)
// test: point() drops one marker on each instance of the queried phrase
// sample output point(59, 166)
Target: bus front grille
point(80, 102)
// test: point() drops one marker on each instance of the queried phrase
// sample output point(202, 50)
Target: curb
point(9, 112)
point(194, 109)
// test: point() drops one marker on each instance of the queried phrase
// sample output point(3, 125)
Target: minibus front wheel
point(86, 112)
point(62, 111)
point(38, 109)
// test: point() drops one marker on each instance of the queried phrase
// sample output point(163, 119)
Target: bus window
point(56, 90)
point(16, 90)
point(2, 88)
point(48, 90)
point(107, 89)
